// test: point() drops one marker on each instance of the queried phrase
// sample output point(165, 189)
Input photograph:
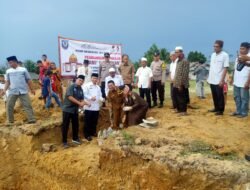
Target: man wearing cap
point(158, 68)
point(241, 81)
point(92, 94)
point(172, 69)
point(216, 78)
point(86, 71)
point(143, 80)
point(104, 71)
point(115, 98)
point(74, 99)
point(181, 82)
point(127, 71)
point(17, 82)
point(114, 77)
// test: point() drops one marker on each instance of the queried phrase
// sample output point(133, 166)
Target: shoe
point(219, 113)
point(9, 124)
point(241, 116)
point(31, 122)
point(65, 145)
point(182, 114)
point(247, 157)
point(154, 104)
point(160, 106)
point(89, 138)
point(203, 97)
point(76, 142)
point(234, 114)
point(213, 110)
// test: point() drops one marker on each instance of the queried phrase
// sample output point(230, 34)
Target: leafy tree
point(30, 66)
point(164, 54)
point(3, 70)
point(195, 56)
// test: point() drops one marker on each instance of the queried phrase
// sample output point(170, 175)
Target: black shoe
point(77, 142)
point(247, 157)
point(160, 106)
point(234, 114)
point(89, 138)
point(31, 122)
point(213, 110)
point(219, 113)
point(154, 104)
point(65, 145)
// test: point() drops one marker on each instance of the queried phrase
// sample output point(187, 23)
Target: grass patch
point(128, 138)
point(203, 148)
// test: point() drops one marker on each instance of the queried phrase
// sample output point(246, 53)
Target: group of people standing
point(113, 87)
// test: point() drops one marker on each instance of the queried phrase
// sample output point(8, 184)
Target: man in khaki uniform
point(115, 98)
point(158, 68)
point(104, 71)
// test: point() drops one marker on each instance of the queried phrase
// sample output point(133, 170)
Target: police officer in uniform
point(104, 72)
point(158, 68)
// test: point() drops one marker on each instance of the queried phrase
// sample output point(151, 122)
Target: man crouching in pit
point(72, 101)
point(115, 99)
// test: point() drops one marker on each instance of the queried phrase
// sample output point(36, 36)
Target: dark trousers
point(172, 95)
point(65, 126)
point(218, 97)
point(103, 89)
point(180, 99)
point(90, 122)
point(186, 91)
point(157, 86)
point(145, 92)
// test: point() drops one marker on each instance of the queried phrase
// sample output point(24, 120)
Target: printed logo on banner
point(65, 44)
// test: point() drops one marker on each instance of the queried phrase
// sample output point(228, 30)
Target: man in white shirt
point(86, 71)
point(217, 73)
point(172, 69)
point(143, 79)
point(93, 95)
point(241, 81)
point(114, 77)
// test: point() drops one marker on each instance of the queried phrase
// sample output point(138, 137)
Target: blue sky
point(29, 28)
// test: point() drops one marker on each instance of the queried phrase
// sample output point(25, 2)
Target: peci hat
point(86, 61)
point(106, 54)
point(81, 77)
point(12, 58)
point(94, 75)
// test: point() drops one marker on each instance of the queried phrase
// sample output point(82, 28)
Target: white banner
point(73, 52)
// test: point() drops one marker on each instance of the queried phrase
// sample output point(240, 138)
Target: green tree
point(30, 65)
point(164, 54)
point(3, 70)
point(195, 56)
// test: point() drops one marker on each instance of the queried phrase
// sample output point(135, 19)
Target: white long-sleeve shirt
point(172, 69)
point(117, 80)
point(91, 90)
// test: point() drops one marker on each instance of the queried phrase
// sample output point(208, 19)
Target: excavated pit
point(198, 152)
